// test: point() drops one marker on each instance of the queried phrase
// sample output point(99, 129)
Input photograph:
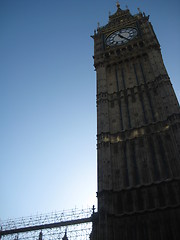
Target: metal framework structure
point(76, 223)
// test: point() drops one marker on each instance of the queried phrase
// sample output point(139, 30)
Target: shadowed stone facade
point(138, 134)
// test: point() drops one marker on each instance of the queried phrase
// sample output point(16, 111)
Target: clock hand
point(123, 37)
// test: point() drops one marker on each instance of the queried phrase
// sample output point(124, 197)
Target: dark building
point(138, 134)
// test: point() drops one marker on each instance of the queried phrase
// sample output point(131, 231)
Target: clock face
point(121, 37)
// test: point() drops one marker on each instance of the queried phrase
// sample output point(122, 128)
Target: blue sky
point(47, 98)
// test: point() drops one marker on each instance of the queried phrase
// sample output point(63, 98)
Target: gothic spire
point(118, 5)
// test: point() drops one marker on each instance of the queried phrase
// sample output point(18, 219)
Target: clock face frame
point(121, 36)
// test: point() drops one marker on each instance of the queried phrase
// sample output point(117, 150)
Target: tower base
point(160, 224)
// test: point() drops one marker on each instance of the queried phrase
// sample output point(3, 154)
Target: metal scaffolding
point(75, 223)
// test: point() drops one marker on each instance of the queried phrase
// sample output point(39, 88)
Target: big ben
point(138, 134)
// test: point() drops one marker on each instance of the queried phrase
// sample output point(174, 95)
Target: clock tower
point(138, 134)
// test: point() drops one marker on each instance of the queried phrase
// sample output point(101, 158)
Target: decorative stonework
point(138, 134)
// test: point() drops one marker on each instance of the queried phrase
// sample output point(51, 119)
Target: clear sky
point(48, 97)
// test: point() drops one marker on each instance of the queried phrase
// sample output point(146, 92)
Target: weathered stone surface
point(138, 136)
